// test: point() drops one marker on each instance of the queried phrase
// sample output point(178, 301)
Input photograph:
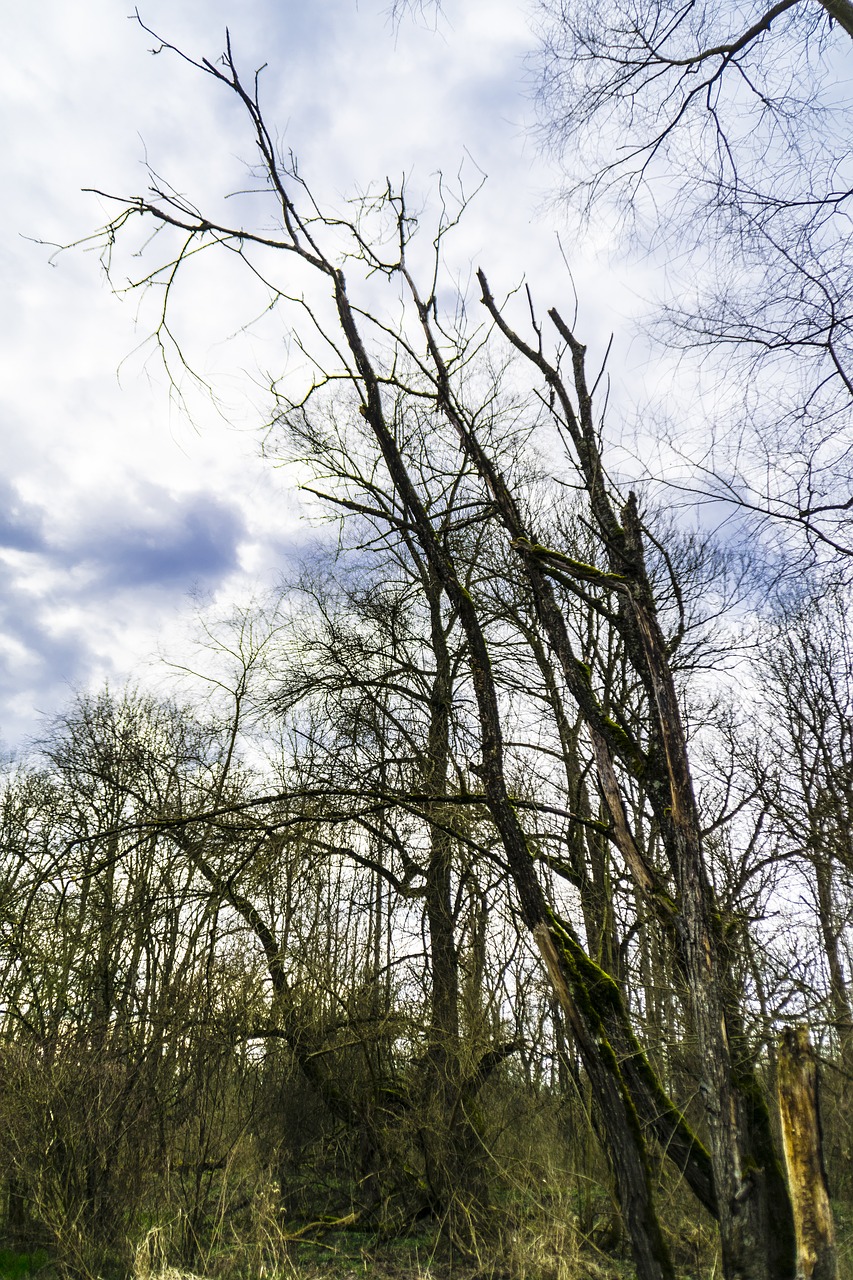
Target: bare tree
point(719, 131)
point(806, 671)
point(430, 371)
point(104, 943)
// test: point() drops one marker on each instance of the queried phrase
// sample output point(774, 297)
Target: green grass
point(15, 1265)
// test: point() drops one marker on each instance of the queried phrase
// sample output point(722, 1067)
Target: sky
point(121, 504)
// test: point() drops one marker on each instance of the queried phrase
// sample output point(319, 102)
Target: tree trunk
point(841, 11)
point(626, 1146)
point(798, 1106)
point(620, 1122)
point(754, 1208)
point(842, 1016)
point(446, 1136)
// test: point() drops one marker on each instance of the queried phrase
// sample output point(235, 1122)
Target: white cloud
point(125, 493)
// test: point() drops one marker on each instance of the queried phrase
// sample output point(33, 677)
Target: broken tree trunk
point(801, 1135)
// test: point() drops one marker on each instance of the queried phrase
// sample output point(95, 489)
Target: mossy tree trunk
point(753, 1204)
point(625, 1143)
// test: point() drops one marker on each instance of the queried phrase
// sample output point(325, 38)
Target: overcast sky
point(115, 503)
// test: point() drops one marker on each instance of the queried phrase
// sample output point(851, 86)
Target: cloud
point(39, 662)
point(112, 507)
point(158, 540)
point(137, 537)
point(85, 588)
point(21, 522)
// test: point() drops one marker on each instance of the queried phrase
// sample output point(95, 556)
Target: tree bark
point(841, 11)
point(798, 1105)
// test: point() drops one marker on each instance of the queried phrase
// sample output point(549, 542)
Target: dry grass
point(151, 1259)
